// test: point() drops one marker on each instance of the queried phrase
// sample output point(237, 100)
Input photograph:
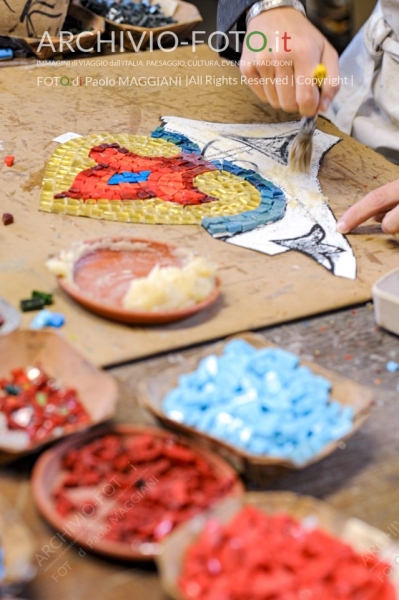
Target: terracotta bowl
point(96, 390)
point(102, 278)
point(352, 531)
point(151, 393)
point(48, 473)
point(19, 550)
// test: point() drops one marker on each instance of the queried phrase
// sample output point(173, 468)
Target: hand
point(308, 49)
point(382, 204)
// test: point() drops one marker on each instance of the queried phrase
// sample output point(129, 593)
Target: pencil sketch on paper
point(307, 224)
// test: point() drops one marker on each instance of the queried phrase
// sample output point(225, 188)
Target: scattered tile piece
point(6, 54)
point(32, 304)
point(41, 320)
point(65, 137)
point(47, 297)
point(392, 366)
point(45, 318)
point(57, 320)
point(7, 219)
point(9, 161)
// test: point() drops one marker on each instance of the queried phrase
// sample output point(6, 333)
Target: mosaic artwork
point(94, 176)
point(232, 179)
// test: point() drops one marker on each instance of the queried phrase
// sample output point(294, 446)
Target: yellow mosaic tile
point(234, 195)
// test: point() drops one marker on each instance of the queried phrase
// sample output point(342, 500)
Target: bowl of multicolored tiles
point(137, 25)
point(277, 545)
point(47, 391)
point(120, 491)
point(260, 407)
point(136, 280)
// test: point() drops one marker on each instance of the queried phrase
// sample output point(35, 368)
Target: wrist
point(263, 6)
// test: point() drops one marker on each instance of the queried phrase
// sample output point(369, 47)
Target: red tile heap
point(140, 487)
point(261, 557)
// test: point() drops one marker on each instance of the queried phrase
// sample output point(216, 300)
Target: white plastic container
point(386, 301)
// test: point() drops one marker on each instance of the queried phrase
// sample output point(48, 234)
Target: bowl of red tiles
point(277, 546)
point(104, 269)
point(48, 391)
point(121, 491)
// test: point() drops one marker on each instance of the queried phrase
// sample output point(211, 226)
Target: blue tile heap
point(260, 401)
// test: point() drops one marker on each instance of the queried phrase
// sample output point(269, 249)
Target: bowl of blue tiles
point(259, 406)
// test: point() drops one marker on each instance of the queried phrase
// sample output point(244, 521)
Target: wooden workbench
point(258, 290)
point(362, 478)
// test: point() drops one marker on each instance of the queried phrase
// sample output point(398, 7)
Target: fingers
point(390, 223)
point(277, 95)
point(308, 96)
point(286, 92)
point(250, 72)
point(293, 64)
point(378, 201)
point(330, 60)
point(270, 90)
point(307, 93)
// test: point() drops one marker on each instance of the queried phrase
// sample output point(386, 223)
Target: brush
point(300, 156)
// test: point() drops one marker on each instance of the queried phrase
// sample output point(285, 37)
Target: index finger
point(380, 200)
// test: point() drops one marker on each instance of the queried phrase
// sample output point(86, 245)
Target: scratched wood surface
point(361, 479)
point(257, 290)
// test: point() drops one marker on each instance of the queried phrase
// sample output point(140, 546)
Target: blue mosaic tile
point(271, 208)
point(129, 177)
point(272, 204)
point(176, 138)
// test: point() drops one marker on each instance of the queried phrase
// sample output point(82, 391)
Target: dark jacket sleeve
point(230, 14)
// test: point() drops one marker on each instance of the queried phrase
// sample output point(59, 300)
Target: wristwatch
point(264, 5)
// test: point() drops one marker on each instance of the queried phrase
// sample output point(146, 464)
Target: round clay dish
point(102, 278)
point(48, 472)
